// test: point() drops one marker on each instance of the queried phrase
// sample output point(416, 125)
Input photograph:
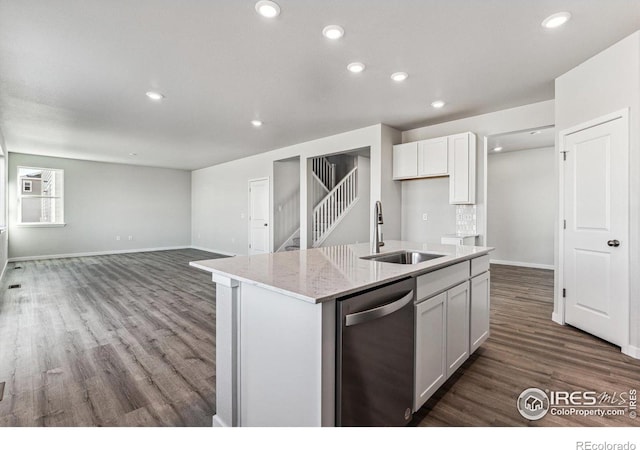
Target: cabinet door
point(462, 169)
point(430, 357)
point(457, 327)
point(433, 157)
point(405, 161)
point(480, 308)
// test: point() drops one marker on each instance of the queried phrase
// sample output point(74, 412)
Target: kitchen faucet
point(377, 241)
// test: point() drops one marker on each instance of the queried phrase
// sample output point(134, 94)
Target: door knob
point(613, 243)
point(266, 224)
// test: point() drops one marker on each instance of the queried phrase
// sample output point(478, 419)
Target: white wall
point(4, 232)
point(354, 227)
point(101, 201)
point(525, 117)
point(430, 196)
point(220, 195)
point(606, 83)
point(521, 217)
point(286, 198)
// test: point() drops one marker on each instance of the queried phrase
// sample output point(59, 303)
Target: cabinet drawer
point(479, 265)
point(441, 279)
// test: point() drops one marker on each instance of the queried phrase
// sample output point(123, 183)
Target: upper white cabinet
point(453, 156)
point(462, 169)
point(405, 157)
point(433, 157)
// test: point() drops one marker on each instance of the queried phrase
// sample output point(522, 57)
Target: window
point(41, 196)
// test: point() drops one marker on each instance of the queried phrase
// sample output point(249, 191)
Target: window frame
point(60, 197)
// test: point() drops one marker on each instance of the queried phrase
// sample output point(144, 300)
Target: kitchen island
point(276, 325)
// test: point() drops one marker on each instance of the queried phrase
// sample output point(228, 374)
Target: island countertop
point(325, 273)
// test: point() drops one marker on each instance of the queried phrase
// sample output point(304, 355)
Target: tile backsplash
point(466, 219)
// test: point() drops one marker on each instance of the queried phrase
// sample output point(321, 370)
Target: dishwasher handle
point(380, 311)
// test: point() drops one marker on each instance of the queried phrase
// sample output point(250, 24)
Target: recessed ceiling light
point(133, 154)
point(256, 123)
point(157, 96)
point(556, 20)
point(356, 67)
point(497, 149)
point(399, 76)
point(438, 104)
point(333, 32)
point(268, 9)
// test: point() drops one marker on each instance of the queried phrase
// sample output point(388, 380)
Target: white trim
point(4, 270)
point(523, 264)
point(631, 350)
point(211, 250)
point(40, 225)
point(217, 422)
point(99, 253)
point(559, 256)
point(557, 318)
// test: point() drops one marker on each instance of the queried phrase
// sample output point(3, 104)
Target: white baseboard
point(557, 318)
point(100, 253)
point(217, 422)
point(212, 250)
point(631, 350)
point(522, 264)
point(4, 270)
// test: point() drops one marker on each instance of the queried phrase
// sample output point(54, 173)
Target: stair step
point(291, 248)
point(296, 241)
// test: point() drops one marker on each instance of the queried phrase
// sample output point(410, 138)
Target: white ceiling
point(73, 73)
point(522, 140)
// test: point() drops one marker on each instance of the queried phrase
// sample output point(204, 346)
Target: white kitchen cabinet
point(480, 308)
point(433, 157)
point(442, 336)
point(405, 161)
point(457, 327)
point(430, 365)
point(462, 169)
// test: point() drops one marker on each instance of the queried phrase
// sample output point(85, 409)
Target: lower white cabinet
point(457, 327)
point(442, 340)
point(431, 337)
point(480, 308)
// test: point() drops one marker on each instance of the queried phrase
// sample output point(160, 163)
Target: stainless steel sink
point(403, 257)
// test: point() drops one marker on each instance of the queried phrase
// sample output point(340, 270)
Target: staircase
point(336, 200)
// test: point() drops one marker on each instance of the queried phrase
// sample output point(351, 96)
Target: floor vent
point(17, 267)
point(15, 286)
point(1, 390)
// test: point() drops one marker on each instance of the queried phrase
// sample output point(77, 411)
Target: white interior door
point(596, 238)
point(259, 229)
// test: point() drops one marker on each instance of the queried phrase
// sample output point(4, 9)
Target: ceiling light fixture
point(356, 67)
point(497, 149)
point(399, 76)
point(556, 20)
point(438, 104)
point(333, 32)
point(256, 123)
point(268, 9)
point(157, 96)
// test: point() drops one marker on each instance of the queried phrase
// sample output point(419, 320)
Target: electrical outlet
point(424, 216)
point(117, 238)
point(131, 238)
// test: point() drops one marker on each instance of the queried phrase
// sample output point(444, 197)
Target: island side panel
point(227, 294)
point(283, 343)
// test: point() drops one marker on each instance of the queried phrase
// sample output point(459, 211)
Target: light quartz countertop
point(322, 274)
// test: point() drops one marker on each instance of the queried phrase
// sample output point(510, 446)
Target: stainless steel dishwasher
point(375, 356)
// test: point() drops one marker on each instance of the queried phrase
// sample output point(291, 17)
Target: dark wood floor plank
point(119, 340)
